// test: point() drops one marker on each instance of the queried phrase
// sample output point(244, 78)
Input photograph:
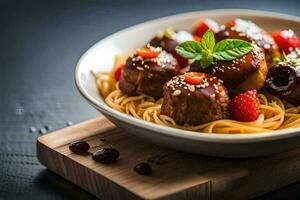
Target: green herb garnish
point(206, 51)
point(291, 59)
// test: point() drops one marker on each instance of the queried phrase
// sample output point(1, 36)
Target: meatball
point(148, 76)
point(165, 43)
point(247, 30)
point(244, 73)
point(195, 104)
point(169, 43)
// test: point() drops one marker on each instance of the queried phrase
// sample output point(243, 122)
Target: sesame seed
point(215, 86)
point(176, 93)
point(140, 68)
point(155, 49)
point(192, 88)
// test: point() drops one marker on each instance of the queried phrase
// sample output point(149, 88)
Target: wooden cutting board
point(176, 175)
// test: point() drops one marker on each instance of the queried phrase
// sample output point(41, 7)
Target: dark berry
point(79, 147)
point(106, 155)
point(143, 169)
point(280, 79)
point(283, 81)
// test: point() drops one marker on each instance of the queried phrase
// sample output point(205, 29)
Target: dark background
point(40, 44)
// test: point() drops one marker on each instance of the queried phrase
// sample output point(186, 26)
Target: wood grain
point(176, 175)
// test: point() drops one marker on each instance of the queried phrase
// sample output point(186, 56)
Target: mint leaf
point(189, 49)
point(230, 49)
point(206, 50)
point(206, 59)
point(208, 40)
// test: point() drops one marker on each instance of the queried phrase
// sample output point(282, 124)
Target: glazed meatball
point(169, 43)
point(195, 104)
point(248, 31)
point(244, 73)
point(148, 76)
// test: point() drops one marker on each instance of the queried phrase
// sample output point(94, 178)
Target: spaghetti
point(275, 114)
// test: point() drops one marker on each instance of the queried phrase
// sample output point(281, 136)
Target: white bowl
point(100, 57)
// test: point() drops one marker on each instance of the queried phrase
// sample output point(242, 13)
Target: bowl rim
point(180, 133)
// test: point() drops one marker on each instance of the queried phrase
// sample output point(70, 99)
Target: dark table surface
point(41, 41)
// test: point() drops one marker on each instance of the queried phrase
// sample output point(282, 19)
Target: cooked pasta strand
point(275, 114)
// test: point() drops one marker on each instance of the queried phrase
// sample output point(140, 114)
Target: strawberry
point(245, 106)
point(287, 40)
point(204, 25)
point(118, 72)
